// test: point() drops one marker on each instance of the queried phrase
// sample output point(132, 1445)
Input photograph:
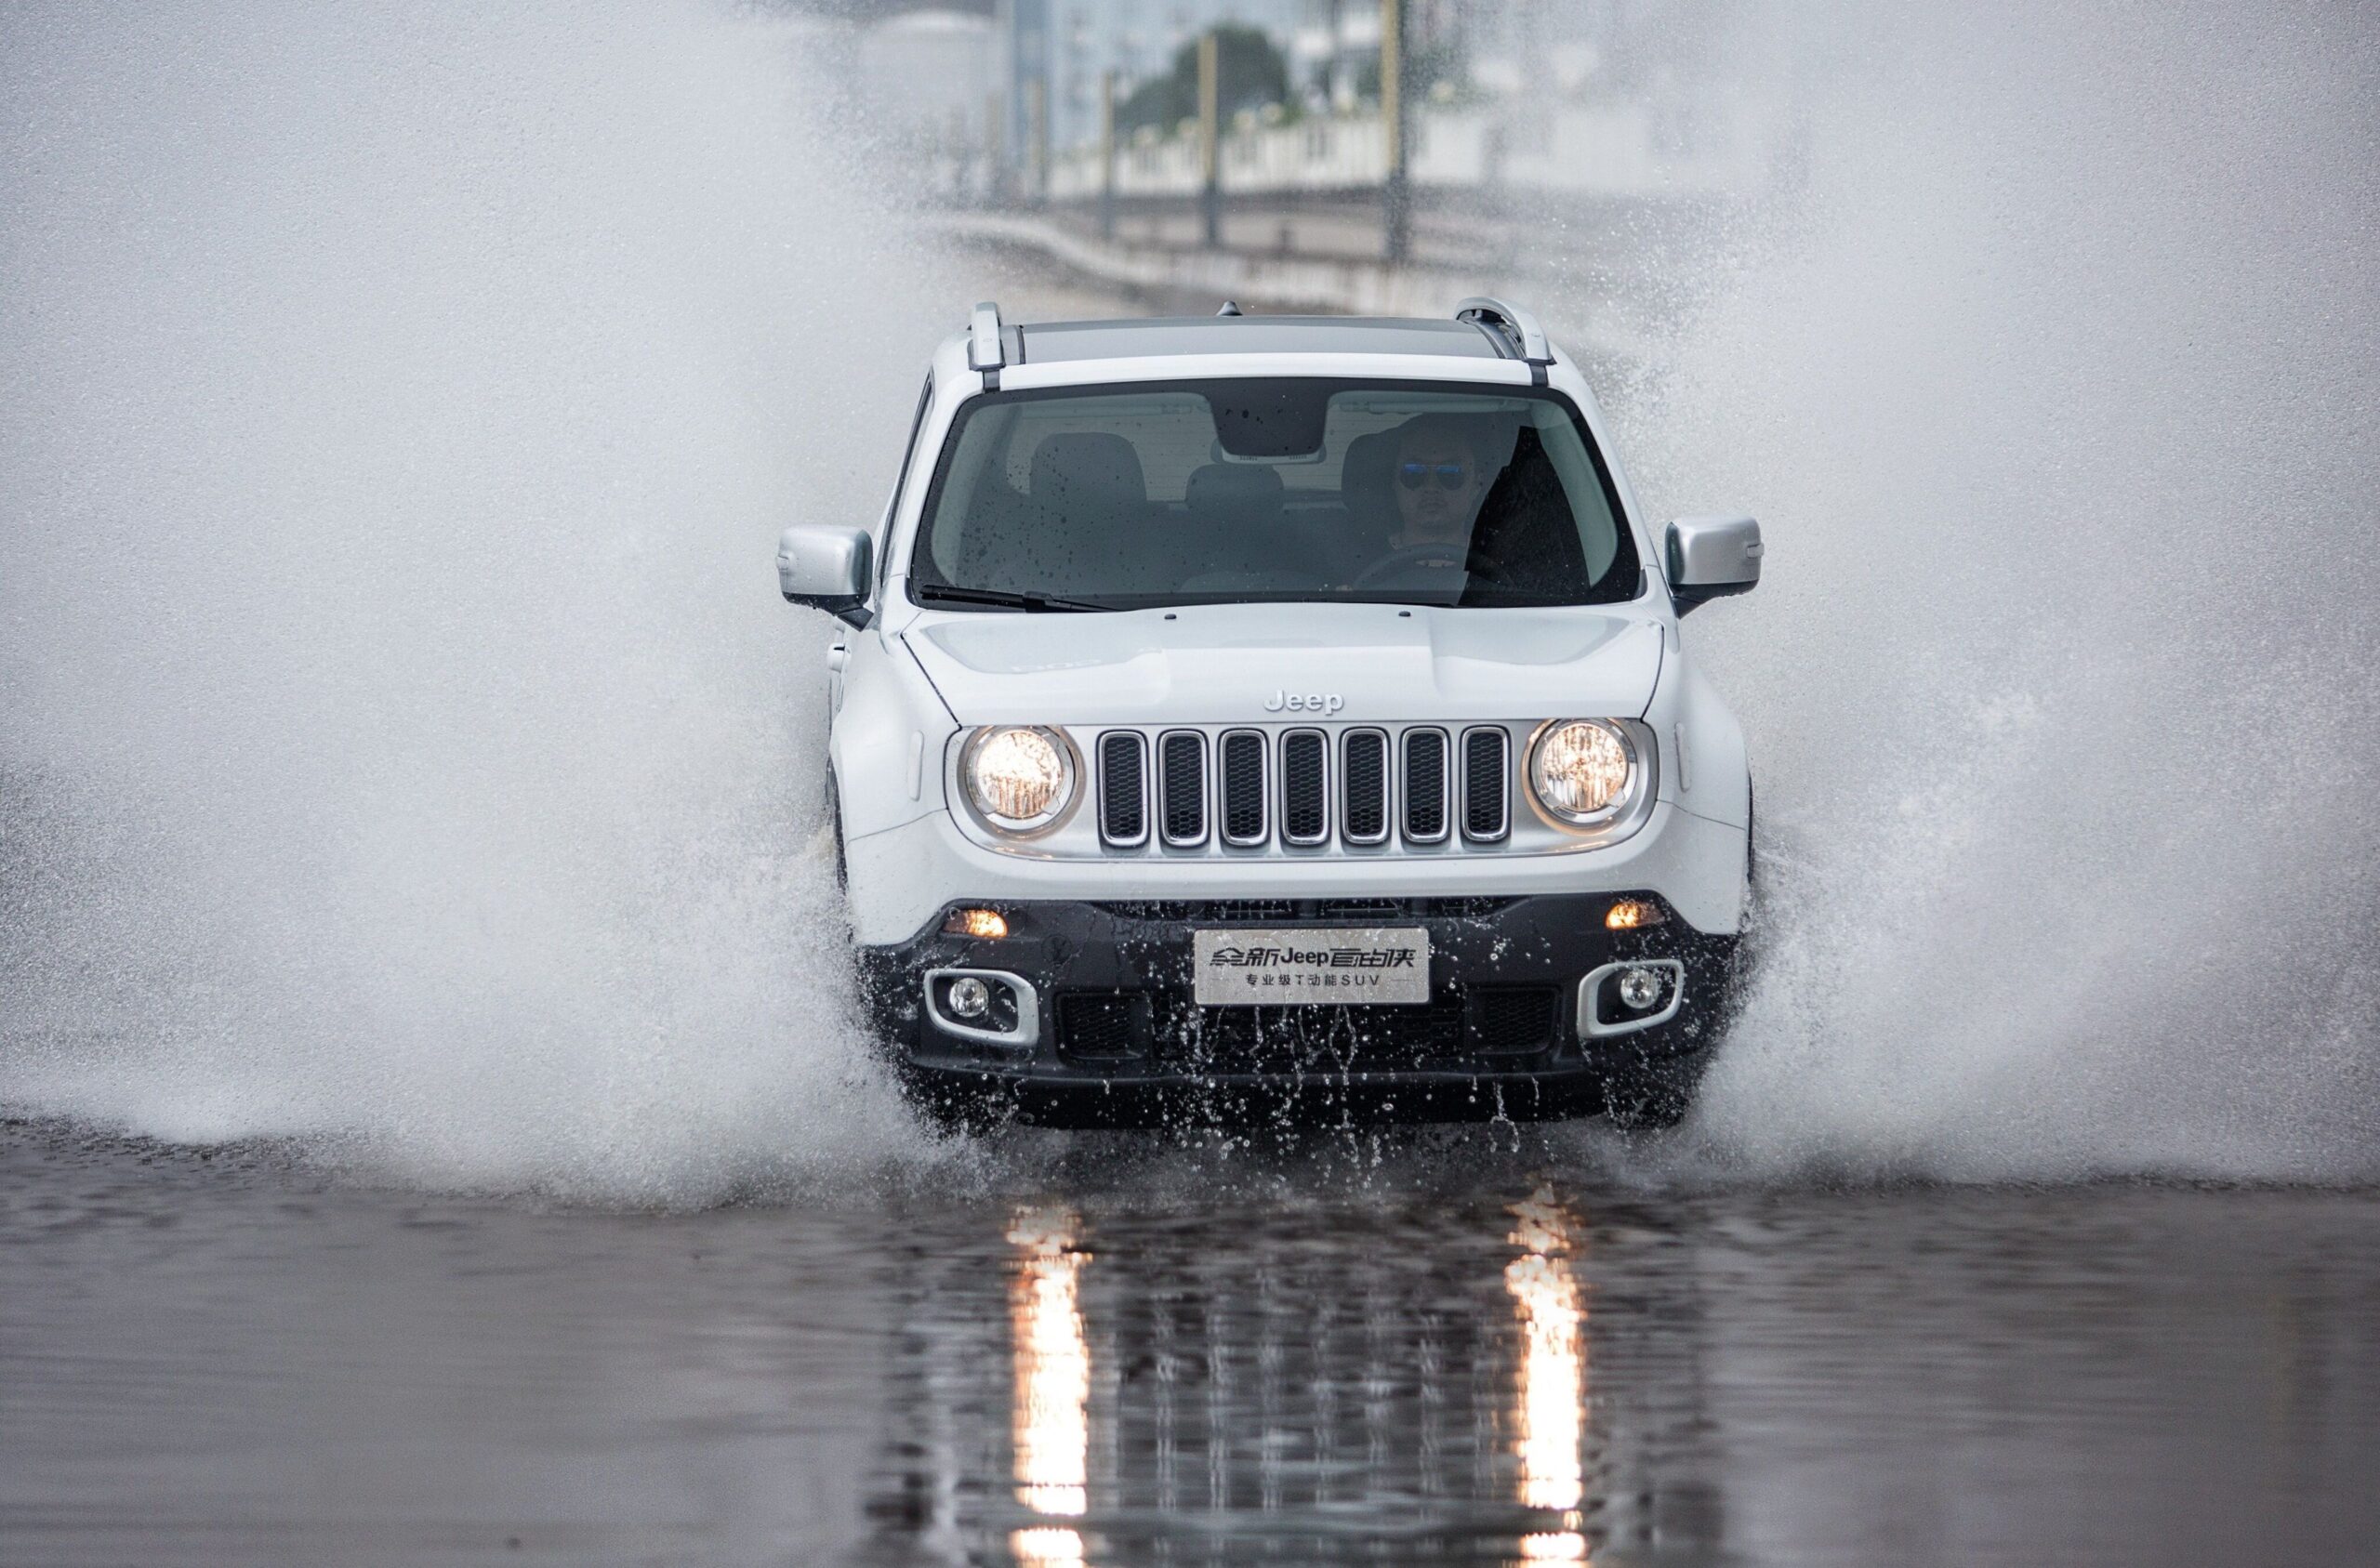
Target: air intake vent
point(1123, 789)
point(1243, 788)
point(1483, 784)
point(1181, 771)
point(1365, 769)
point(1306, 786)
point(1425, 785)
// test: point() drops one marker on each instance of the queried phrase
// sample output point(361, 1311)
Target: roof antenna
point(1231, 308)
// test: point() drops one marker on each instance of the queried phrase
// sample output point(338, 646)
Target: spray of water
point(2056, 382)
point(402, 747)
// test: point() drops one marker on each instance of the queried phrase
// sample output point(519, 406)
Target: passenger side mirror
point(826, 566)
point(1711, 557)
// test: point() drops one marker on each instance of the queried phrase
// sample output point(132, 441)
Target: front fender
point(889, 732)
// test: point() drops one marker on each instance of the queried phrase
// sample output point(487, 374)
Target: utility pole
point(1036, 130)
point(995, 149)
point(1395, 193)
point(1211, 164)
point(1107, 153)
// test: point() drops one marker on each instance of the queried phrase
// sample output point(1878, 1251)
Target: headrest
point(1366, 483)
point(1089, 470)
point(1245, 490)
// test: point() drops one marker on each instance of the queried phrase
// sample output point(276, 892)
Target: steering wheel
point(1411, 555)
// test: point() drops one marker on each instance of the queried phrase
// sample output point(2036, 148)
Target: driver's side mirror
point(1711, 557)
point(827, 566)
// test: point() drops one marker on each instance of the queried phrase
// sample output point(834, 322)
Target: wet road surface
point(1453, 1356)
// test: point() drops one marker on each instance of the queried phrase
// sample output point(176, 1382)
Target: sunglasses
point(1413, 476)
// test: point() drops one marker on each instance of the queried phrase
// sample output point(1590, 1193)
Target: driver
point(1439, 482)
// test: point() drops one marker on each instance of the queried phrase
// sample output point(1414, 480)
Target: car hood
point(1242, 663)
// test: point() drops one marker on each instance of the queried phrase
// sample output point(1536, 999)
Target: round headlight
point(1019, 779)
point(1581, 770)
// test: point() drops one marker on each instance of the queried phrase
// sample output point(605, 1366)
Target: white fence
point(1630, 149)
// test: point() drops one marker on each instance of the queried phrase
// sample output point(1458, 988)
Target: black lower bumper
point(1113, 986)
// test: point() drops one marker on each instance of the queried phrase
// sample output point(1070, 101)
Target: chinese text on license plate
point(1264, 968)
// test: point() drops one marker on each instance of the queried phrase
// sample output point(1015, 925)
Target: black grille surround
point(1166, 1030)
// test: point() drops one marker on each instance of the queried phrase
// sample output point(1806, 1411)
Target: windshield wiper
point(1003, 598)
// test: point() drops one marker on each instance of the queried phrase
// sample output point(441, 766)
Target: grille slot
point(1425, 785)
point(1102, 1026)
point(1306, 786)
point(1243, 776)
point(1182, 768)
point(1512, 1020)
point(1123, 790)
point(1363, 817)
point(1484, 819)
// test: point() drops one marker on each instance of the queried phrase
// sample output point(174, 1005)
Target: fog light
point(1634, 914)
point(988, 924)
point(1639, 989)
point(970, 997)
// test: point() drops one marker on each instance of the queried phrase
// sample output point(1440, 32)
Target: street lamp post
point(1107, 155)
point(1211, 194)
point(1395, 194)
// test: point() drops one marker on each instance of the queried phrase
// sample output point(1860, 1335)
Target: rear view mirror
point(1712, 556)
point(826, 566)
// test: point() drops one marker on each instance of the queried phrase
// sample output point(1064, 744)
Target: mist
point(2054, 383)
point(406, 749)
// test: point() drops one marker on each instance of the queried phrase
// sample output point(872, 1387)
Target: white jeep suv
point(1241, 703)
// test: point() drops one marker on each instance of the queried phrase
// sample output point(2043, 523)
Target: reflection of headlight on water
point(1051, 1425)
point(1554, 1545)
point(1550, 1413)
point(1046, 1546)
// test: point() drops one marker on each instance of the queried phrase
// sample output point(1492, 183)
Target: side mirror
point(826, 566)
point(1711, 557)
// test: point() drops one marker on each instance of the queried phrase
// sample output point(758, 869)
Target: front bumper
point(1112, 989)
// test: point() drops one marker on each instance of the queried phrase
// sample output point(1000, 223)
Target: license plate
point(1252, 968)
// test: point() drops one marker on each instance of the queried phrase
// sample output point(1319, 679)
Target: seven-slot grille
point(1303, 787)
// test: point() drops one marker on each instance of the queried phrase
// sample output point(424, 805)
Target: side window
point(899, 484)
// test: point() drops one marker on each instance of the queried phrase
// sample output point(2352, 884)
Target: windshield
point(1209, 492)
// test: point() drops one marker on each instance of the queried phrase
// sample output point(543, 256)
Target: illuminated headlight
point(1582, 770)
point(1019, 779)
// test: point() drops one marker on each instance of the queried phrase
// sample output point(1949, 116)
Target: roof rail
point(984, 349)
point(1518, 327)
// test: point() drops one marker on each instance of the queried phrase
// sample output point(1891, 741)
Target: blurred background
point(1331, 154)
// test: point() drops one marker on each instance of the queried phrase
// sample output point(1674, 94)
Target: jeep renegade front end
point(1264, 701)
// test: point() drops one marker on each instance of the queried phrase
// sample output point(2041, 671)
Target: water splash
point(2055, 384)
point(407, 748)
